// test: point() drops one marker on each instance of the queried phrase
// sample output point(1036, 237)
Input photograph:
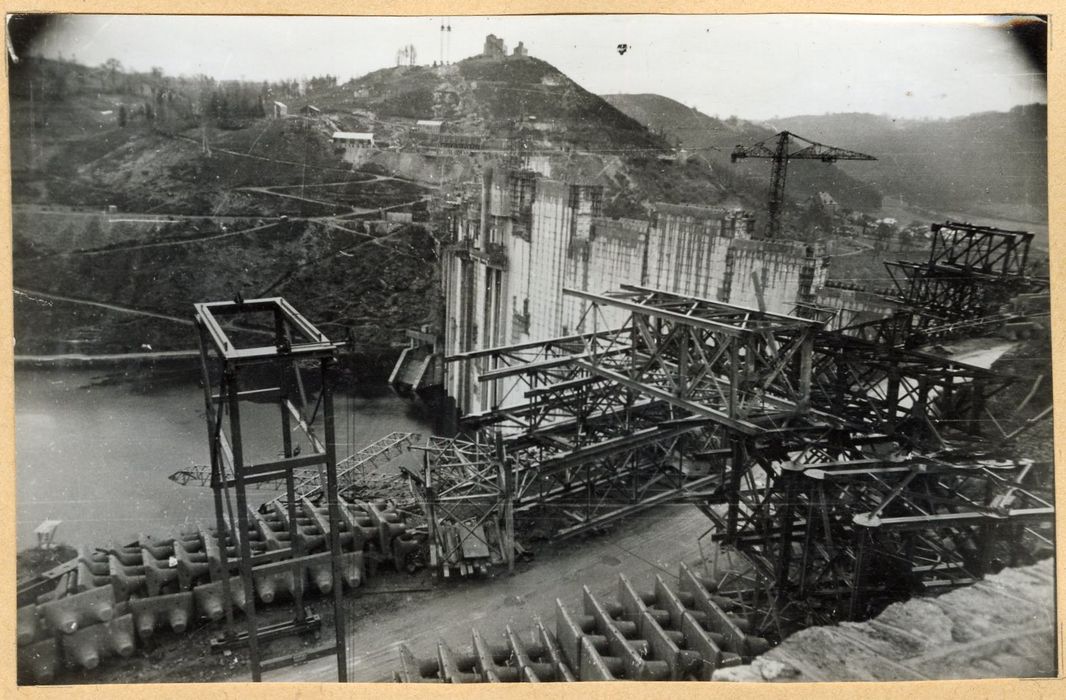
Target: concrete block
point(27, 625)
point(90, 565)
point(126, 580)
point(452, 670)
point(402, 546)
point(416, 670)
point(569, 634)
point(159, 548)
point(630, 652)
point(273, 579)
point(553, 654)
point(595, 667)
point(192, 567)
point(159, 574)
point(37, 662)
point(210, 601)
point(86, 647)
point(489, 662)
point(150, 613)
point(69, 614)
point(717, 619)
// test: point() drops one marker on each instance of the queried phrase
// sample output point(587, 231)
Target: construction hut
point(355, 146)
point(429, 126)
point(280, 110)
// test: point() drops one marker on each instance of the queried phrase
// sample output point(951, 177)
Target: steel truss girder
point(908, 393)
point(615, 412)
point(980, 248)
point(586, 420)
point(839, 538)
point(971, 271)
point(613, 473)
point(942, 294)
point(587, 450)
point(736, 366)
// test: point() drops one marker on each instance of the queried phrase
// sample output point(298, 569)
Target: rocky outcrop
point(1003, 626)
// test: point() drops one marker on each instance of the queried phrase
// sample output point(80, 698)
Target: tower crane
point(778, 150)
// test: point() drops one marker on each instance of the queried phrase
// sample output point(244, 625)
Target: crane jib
point(780, 156)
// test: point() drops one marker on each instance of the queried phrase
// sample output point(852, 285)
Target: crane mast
point(777, 150)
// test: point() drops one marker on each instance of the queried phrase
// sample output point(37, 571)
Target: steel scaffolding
point(296, 341)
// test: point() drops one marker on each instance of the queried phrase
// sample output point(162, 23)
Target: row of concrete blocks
point(374, 527)
point(109, 599)
point(663, 634)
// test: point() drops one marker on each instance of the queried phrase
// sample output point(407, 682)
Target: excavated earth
point(1001, 627)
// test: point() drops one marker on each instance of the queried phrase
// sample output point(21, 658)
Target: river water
point(94, 450)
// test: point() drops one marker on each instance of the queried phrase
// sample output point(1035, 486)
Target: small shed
point(355, 146)
point(357, 139)
point(430, 126)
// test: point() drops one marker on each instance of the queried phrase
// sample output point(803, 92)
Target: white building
point(355, 146)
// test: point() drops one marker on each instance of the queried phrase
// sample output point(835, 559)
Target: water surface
point(95, 452)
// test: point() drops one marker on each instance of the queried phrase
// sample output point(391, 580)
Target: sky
point(754, 67)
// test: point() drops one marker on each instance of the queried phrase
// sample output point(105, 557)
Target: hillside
point(137, 194)
point(488, 96)
point(530, 101)
point(123, 219)
point(155, 160)
point(988, 164)
point(714, 139)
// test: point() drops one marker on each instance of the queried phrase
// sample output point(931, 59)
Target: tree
point(56, 85)
point(113, 67)
point(122, 115)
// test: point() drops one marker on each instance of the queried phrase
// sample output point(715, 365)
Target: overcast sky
point(755, 67)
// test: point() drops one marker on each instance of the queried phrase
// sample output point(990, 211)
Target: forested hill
point(990, 163)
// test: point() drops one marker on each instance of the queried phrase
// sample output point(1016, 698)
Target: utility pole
point(205, 144)
point(33, 142)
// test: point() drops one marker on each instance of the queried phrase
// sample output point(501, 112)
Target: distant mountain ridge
point(985, 164)
point(714, 139)
point(989, 163)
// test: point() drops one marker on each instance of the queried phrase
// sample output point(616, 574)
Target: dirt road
point(647, 545)
point(177, 242)
point(322, 202)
